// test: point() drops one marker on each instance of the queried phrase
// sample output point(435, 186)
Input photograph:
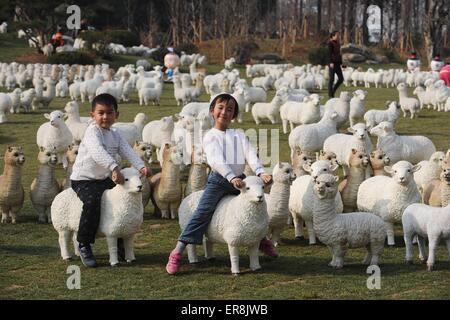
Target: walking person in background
point(335, 63)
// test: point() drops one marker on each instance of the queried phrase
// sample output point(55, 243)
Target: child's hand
point(267, 178)
point(238, 183)
point(146, 172)
point(117, 176)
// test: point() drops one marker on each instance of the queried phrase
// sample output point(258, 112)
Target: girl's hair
point(229, 100)
point(333, 33)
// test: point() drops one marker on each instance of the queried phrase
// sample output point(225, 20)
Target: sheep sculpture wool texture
point(392, 196)
point(121, 216)
point(238, 221)
point(426, 222)
point(11, 190)
point(342, 231)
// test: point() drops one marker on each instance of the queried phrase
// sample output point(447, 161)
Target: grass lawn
point(31, 267)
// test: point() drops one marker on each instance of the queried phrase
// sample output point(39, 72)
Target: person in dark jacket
point(335, 63)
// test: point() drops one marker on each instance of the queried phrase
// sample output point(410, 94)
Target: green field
point(31, 267)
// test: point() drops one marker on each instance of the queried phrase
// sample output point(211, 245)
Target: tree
point(437, 15)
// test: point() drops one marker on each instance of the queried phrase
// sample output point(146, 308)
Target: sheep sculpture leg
point(209, 249)
point(192, 253)
point(64, 240)
point(41, 212)
point(13, 213)
point(112, 249)
point(311, 233)
point(432, 245)
point(253, 253)
point(423, 255)
point(298, 225)
point(390, 233)
point(339, 252)
point(234, 258)
point(129, 249)
point(409, 248)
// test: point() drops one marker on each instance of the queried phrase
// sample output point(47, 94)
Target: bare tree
point(437, 15)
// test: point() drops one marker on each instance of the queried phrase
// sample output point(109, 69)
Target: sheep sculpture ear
point(416, 168)
point(10, 148)
point(388, 169)
point(307, 167)
point(354, 151)
point(350, 129)
point(46, 116)
point(41, 149)
point(280, 165)
point(336, 178)
point(334, 167)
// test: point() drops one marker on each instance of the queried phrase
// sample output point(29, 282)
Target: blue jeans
point(216, 188)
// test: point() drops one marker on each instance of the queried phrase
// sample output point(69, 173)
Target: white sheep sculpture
point(55, 135)
point(343, 231)
point(425, 222)
point(388, 197)
point(121, 216)
point(409, 148)
point(245, 227)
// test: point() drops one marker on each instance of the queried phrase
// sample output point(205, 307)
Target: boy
point(94, 166)
point(220, 144)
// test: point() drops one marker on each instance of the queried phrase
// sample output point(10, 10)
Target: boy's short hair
point(229, 99)
point(104, 99)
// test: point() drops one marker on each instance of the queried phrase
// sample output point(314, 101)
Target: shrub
point(75, 57)
point(243, 51)
point(188, 48)
point(159, 54)
point(318, 55)
point(392, 55)
point(124, 37)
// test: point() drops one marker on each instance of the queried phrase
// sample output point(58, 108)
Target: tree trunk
point(319, 17)
point(331, 17)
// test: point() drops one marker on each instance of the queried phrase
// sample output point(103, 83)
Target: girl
point(220, 144)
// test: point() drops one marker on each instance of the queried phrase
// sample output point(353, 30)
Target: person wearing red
point(444, 74)
point(436, 64)
point(57, 40)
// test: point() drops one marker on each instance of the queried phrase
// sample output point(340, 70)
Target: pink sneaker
point(173, 265)
point(266, 246)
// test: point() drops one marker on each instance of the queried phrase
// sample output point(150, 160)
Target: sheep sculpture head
point(253, 189)
point(359, 130)
point(132, 181)
point(383, 129)
point(144, 150)
point(320, 167)
point(71, 107)
point(402, 172)
point(72, 153)
point(358, 159)
point(14, 156)
point(56, 118)
point(438, 158)
point(172, 153)
point(361, 94)
point(48, 156)
point(445, 173)
point(379, 156)
point(326, 186)
point(283, 172)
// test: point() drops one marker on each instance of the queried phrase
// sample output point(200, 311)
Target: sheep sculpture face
point(55, 118)
point(383, 129)
point(361, 94)
point(132, 181)
point(402, 172)
point(48, 156)
point(445, 174)
point(359, 130)
point(326, 186)
point(144, 150)
point(329, 156)
point(283, 172)
point(14, 156)
point(253, 189)
point(379, 157)
point(320, 167)
point(358, 159)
